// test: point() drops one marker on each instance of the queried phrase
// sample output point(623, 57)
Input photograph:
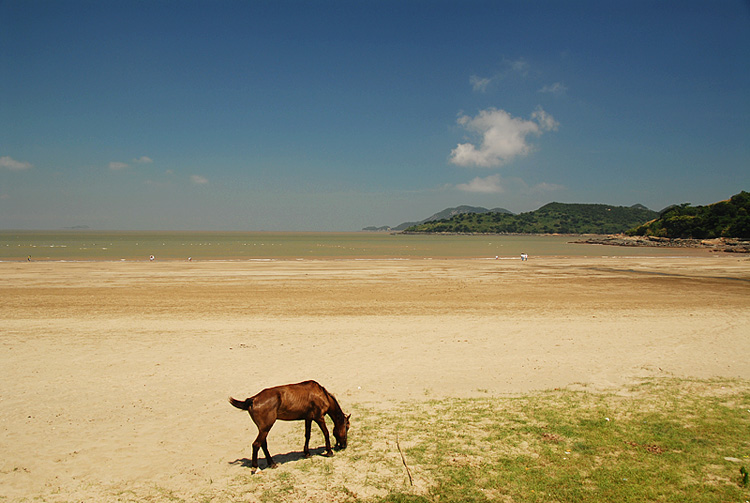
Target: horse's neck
point(334, 409)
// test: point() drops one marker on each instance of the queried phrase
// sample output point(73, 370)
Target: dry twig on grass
point(403, 460)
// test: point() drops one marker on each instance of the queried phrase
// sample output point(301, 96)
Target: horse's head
point(340, 430)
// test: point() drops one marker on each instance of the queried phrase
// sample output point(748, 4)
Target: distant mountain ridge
point(552, 218)
point(724, 219)
point(441, 215)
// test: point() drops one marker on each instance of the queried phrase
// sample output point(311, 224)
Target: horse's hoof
point(328, 454)
point(253, 470)
point(308, 455)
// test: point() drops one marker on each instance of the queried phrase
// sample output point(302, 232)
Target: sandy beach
point(115, 375)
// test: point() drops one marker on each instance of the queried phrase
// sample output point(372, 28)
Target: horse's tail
point(244, 405)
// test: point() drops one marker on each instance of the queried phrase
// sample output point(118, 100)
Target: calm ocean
point(116, 246)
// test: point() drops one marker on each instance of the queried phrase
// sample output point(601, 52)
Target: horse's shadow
point(279, 459)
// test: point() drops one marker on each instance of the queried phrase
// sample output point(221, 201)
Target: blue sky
point(332, 116)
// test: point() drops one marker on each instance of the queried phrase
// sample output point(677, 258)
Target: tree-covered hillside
point(728, 219)
point(552, 218)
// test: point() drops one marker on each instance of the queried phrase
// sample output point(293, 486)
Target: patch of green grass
point(665, 440)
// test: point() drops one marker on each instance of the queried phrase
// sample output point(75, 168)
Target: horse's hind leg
point(256, 446)
point(259, 442)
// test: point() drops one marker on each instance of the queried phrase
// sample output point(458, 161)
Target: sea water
point(174, 245)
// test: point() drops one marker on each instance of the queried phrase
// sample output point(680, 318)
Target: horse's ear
point(347, 417)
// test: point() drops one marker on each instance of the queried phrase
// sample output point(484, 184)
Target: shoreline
point(727, 245)
point(258, 247)
point(358, 259)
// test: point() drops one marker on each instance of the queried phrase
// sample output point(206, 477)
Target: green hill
point(725, 219)
point(449, 213)
point(552, 218)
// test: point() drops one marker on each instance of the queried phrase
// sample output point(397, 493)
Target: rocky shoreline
point(729, 245)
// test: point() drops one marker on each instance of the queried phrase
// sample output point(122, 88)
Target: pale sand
point(115, 375)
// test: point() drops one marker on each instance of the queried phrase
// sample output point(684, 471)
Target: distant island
point(441, 215)
point(724, 225)
point(553, 218)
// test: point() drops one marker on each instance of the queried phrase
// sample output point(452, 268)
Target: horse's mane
point(335, 407)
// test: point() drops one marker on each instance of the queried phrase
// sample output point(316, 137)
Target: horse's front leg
point(322, 423)
point(308, 426)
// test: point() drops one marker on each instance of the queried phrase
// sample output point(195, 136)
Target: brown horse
point(306, 400)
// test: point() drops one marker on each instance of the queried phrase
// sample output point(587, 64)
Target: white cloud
point(495, 184)
point(545, 120)
point(479, 83)
point(558, 89)
point(546, 187)
point(198, 180)
point(116, 166)
point(509, 69)
point(11, 164)
point(488, 185)
point(503, 137)
point(519, 66)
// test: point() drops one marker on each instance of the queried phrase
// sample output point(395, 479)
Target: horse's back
point(310, 386)
point(290, 402)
